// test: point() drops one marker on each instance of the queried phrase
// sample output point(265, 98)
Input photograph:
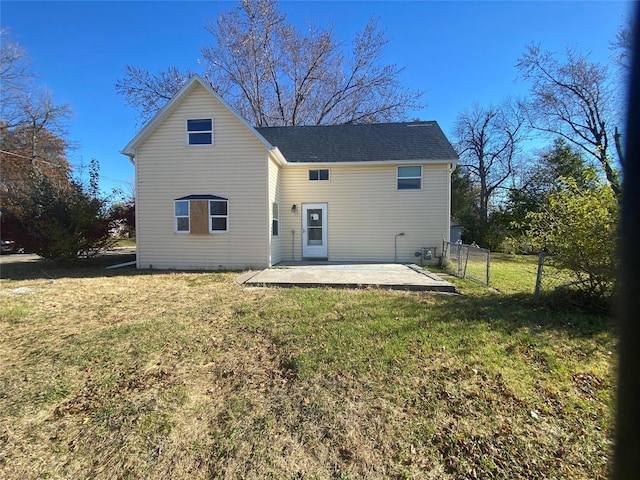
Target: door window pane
point(314, 217)
point(314, 236)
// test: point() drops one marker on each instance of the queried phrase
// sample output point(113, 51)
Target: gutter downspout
point(132, 159)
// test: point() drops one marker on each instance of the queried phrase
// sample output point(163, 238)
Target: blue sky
point(459, 52)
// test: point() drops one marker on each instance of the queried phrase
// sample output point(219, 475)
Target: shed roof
point(408, 141)
point(202, 197)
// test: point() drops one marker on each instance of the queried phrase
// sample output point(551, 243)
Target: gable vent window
point(322, 174)
point(200, 131)
point(201, 214)
point(410, 178)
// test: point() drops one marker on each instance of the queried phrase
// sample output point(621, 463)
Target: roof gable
point(152, 125)
point(381, 142)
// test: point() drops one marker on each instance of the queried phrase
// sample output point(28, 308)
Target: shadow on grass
point(35, 268)
point(507, 312)
point(513, 312)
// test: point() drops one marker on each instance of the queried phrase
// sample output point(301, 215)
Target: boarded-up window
point(201, 214)
point(199, 217)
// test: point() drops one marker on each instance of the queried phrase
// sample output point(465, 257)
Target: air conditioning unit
point(426, 254)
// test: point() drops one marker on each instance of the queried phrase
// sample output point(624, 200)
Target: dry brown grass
point(190, 375)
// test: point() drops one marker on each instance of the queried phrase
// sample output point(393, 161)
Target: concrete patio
point(349, 275)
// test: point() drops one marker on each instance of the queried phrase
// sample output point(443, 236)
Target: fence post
point(466, 261)
point(488, 266)
point(541, 256)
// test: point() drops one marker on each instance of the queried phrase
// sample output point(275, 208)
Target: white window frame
point(176, 217)
point(189, 132)
point(319, 179)
point(398, 177)
point(275, 219)
point(212, 216)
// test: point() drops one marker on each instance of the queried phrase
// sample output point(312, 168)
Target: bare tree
point(622, 45)
point(574, 99)
point(32, 129)
point(274, 74)
point(39, 114)
point(487, 140)
point(24, 105)
point(14, 76)
point(147, 93)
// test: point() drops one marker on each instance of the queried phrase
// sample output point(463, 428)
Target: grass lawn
point(150, 374)
point(126, 242)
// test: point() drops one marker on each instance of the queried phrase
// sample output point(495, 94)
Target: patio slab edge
point(423, 280)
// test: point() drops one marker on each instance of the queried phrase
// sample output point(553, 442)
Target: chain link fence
point(513, 274)
point(467, 261)
point(550, 278)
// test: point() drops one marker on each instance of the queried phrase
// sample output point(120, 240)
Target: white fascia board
point(276, 155)
point(130, 149)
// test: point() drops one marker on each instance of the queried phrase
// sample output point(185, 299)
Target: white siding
point(275, 196)
point(235, 167)
point(366, 211)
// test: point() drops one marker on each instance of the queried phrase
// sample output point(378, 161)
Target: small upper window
point(200, 131)
point(410, 178)
point(322, 174)
point(181, 214)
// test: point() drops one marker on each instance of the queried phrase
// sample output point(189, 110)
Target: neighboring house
point(213, 192)
point(455, 231)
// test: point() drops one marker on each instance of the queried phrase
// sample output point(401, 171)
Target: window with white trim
point(218, 216)
point(200, 131)
point(409, 177)
point(181, 215)
point(201, 214)
point(319, 174)
point(275, 220)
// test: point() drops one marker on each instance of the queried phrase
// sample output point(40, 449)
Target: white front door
point(314, 230)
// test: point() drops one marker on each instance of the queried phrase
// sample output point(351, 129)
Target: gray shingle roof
point(361, 143)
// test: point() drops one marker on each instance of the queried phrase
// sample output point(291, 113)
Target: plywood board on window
point(199, 217)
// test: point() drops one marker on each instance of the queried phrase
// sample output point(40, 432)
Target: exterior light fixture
point(294, 208)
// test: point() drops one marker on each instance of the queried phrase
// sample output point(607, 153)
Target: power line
point(115, 179)
point(36, 159)
point(32, 159)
